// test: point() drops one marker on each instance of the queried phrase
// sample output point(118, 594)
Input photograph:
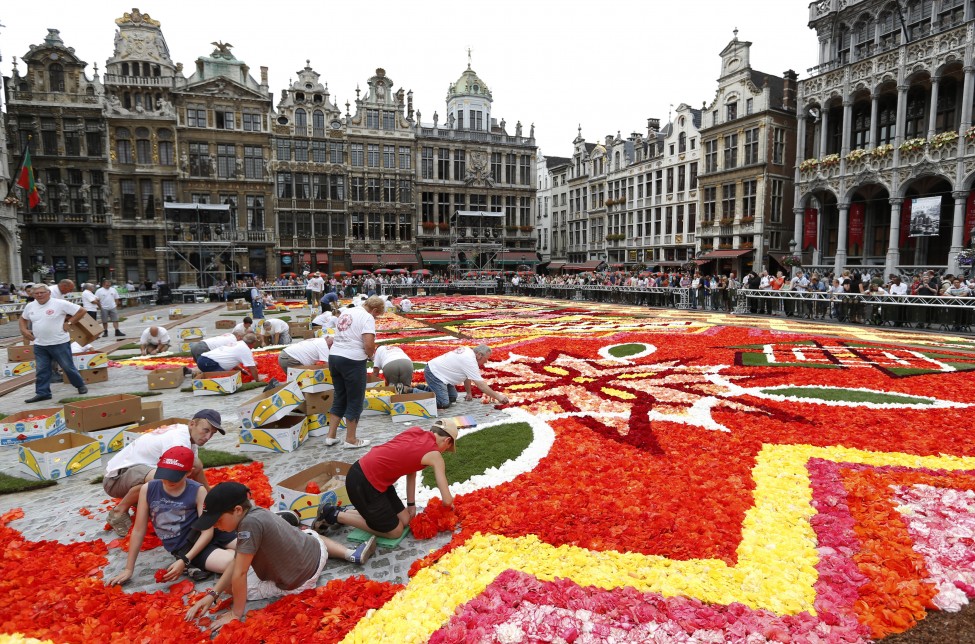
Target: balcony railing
point(144, 81)
point(66, 218)
point(474, 135)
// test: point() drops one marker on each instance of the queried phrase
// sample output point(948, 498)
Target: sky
point(605, 66)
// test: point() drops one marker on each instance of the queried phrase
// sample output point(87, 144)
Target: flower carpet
point(688, 480)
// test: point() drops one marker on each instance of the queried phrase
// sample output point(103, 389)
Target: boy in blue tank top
point(173, 503)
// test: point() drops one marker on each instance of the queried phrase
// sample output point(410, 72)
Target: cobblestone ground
point(56, 512)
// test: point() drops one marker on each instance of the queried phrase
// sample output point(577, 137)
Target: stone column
point(847, 126)
point(957, 230)
point(873, 121)
point(893, 248)
point(901, 114)
point(933, 112)
point(839, 261)
point(797, 226)
point(966, 104)
point(823, 131)
point(801, 142)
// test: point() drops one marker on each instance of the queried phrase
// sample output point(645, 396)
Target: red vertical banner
point(857, 216)
point(810, 228)
point(969, 218)
point(906, 222)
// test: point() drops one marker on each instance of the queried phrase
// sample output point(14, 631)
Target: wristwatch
point(184, 559)
point(213, 593)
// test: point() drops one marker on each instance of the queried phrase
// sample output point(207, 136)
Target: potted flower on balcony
point(809, 165)
point(610, 202)
point(744, 245)
point(11, 200)
point(855, 156)
point(443, 225)
point(724, 246)
point(727, 221)
point(429, 225)
point(511, 229)
point(792, 261)
point(882, 151)
point(526, 229)
point(970, 134)
point(944, 140)
point(830, 161)
point(913, 145)
point(748, 220)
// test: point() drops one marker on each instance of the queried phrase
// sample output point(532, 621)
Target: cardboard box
point(311, 378)
point(378, 405)
point(176, 316)
point(59, 456)
point(133, 433)
point(317, 424)
point(300, 331)
point(226, 324)
point(168, 378)
point(12, 369)
point(103, 412)
point(45, 422)
point(290, 494)
point(21, 353)
point(5, 299)
point(90, 360)
point(413, 407)
point(217, 383)
point(152, 411)
point(283, 435)
point(85, 330)
point(112, 439)
point(90, 376)
point(316, 403)
point(269, 406)
point(150, 317)
point(191, 333)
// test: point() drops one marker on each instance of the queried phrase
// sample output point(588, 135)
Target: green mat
point(361, 535)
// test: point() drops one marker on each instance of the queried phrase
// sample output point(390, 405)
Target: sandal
point(362, 442)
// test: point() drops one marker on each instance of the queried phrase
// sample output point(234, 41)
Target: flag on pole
point(26, 180)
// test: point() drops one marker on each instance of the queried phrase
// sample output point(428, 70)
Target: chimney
point(789, 86)
point(264, 75)
point(653, 126)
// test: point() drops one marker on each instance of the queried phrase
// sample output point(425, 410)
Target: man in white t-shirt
point(155, 339)
point(197, 349)
point(62, 288)
point(326, 320)
point(306, 352)
point(315, 286)
point(136, 463)
point(460, 366)
point(108, 298)
point(243, 327)
point(405, 306)
point(231, 357)
point(277, 331)
point(397, 367)
point(89, 302)
point(45, 322)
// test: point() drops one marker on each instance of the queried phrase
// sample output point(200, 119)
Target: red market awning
point(517, 257)
point(364, 259)
point(435, 256)
point(554, 266)
point(586, 266)
point(321, 258)
point(398, 259)
point(723, 254)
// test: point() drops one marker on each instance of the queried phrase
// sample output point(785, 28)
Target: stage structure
point(200, 243)
point(476, 240)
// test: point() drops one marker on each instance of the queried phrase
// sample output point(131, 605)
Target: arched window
point(143, 147)
point(55, 75)
point(843, 38)
point(861, 126)
point(886, 119)
point(682, 142)
point(616, 160)
point(916, 123)
point(947, 116)
point(123, 145)
point(889, 29)
point(125, 69)
point(863, 39)
point(167, 153)
point(318, 122)
point(301, 119)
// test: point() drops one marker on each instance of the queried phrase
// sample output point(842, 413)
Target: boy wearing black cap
point(135, 464)
point(272, 558)
point(173, 503)
point(371, 480)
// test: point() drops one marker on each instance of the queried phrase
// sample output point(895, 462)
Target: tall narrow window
point(886, 119)
point(946, 118)
point(167, 153)
point(143, 147)
point(56, 77)
point(123, 145)
point(915, 125)
point(861, 126)
point(730, 151)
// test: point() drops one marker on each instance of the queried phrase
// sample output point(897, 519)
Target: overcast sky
point(606, 65)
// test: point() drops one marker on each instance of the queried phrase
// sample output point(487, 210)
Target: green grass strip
point(247, 386)
point(216, 458)
point(848, 395)
point(482, 450)
point(141, 394)
point(10, 484)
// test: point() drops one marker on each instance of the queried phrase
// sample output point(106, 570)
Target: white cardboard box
point(111, 439)
point(217, 383)
point(284, 435)
point(49, 421)
point(269, 406)
point(59, 456)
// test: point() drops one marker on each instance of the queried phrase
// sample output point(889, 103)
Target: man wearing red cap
point(173, 503)
point(136, 463)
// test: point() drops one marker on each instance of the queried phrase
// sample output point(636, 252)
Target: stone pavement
point(56, 512)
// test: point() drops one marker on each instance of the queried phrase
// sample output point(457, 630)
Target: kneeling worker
point(273, 557)
point(277, 330)
point(231, 357)
point(154, 340)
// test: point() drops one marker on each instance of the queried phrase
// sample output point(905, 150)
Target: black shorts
point(379, 509)
point(219, 541)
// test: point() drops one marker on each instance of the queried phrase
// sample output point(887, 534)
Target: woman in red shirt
point(370, 482)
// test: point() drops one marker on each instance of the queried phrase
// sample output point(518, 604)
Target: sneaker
point(331, 441)
point(82, 390)
point(328, 516)
point(362, 442)
point(118, 333)
point(290, 517)
point(365, 550)
point(198, 574)
point(272, 384)
point(121, 522)
point(39, 399)
point(399, 387)
point(105, 334)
